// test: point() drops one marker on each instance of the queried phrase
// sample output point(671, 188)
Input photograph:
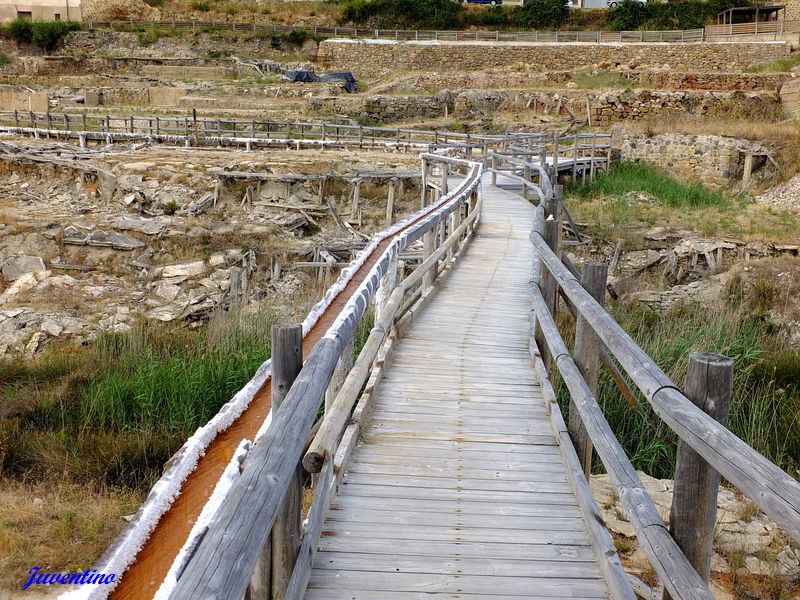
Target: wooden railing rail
point(674, 36)
point(196, 130)
point(773, 490)
point(226, 555)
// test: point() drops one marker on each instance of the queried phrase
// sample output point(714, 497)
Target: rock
point(788, 562)
point(187, 269)
point(140, 167)
point(24, 283)
point(34, 343)
point(168, 291)
point(118, 241)
point(16, 266)
point(166, 313)
point(38, 502)
point(139, 224)
point(51, 328)
point(756, 566)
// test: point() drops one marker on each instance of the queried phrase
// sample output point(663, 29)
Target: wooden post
point(428, 243)
point(709, 378)
point(587, 359)
point(494, 170)
point(340, 372)
point(390, 200)
point(355, 206)
point(423, 184)
point(445, 174)
point(748, 168)
point(385, 288)
point(287, 360)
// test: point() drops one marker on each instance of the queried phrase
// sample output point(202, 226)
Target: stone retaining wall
point(790, 97)
point(604, 107)
point(669, 80)
point(714, 160)
point(367, 58)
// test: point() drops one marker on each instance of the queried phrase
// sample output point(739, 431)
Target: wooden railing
point(705, 442)
point(194, 130)
point(740, 30)
point(365, 33)
point(226, 556)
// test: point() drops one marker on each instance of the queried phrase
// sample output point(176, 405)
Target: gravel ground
point(785, 196)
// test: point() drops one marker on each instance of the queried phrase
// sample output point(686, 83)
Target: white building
point(41, 10)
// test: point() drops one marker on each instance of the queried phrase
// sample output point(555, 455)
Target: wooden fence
point(365, 33)
point(195, 130)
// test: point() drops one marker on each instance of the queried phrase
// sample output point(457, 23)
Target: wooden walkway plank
point(457, 487)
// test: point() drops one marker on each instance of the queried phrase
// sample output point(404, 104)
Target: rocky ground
point(747, 544)
point(785, 195)
point(154, 233)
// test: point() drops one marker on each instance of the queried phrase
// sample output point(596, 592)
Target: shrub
point(171, 207)
point(200, 5)
point(541, 14)
point(391, 14)
point(47, 35)
point(627, 16)
point(21, 31)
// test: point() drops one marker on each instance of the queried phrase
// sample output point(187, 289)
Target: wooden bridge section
point(458, 487)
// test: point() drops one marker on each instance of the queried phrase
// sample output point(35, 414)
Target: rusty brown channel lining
point(142, 579)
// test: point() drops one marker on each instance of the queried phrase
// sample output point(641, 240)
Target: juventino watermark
point(86, 578)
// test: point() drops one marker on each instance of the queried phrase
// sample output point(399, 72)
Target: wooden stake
point(709, 378)
point(390, 200)
point(587, 358)
point(287, 360)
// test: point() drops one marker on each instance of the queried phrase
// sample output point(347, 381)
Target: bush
point(21, 30)
point(200, 5)
point(399, 14)
point(687, 14)
point(541, 14)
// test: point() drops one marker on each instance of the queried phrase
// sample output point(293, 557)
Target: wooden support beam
point(356, 205)
point(587, 357)
point(340, 372)
point(428, 243)
point(709, 378)
point(390, 200)
point(287, 361)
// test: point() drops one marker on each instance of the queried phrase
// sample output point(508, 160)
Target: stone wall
point(604, 107)
point(790, 98)
point(23, 101)
point(668, 80)
point(367, 58)
point(792, 10)
point(714, 160)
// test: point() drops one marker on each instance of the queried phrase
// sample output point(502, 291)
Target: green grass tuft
point(765, 403)
point(626, 177)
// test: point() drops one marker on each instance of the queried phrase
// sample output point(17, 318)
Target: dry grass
point(308, 14)
point(67, 531)
point(611, 218)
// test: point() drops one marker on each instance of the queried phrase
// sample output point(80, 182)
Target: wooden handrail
point(233, 540)
point(773, 490)
point(676, 572)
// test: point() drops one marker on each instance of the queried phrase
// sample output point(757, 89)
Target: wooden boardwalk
point(457, 488)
